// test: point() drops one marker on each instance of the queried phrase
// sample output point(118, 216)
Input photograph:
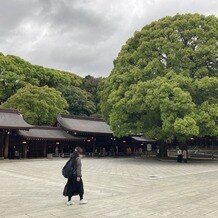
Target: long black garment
point(73, 187)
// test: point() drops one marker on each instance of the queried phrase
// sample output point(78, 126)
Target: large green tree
point(165, 80)
point(38, 105)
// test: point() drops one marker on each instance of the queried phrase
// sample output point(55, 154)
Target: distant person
point(179, 155)
point(74, 185)
point(185, 155)
point(140, 151)
point(17, 154)
point(56, 151)
point(158, 152)
point(149, 149)
point(103, 152)
point(28, 152)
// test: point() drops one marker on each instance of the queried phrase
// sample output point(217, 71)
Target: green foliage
point(38, 105)
point(14, 69)
point(80, 102)
point(9, 84)
point(164, 82)
point(92, 85)
point(16, 73)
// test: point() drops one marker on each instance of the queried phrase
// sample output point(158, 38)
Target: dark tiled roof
point(82, 124)
point(12, 119)
point(48, 133)
point(142, 139)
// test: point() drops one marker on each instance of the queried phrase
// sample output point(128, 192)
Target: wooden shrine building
point(10, 122)
point(43, 140)
point(18, 139)
point(98, 133)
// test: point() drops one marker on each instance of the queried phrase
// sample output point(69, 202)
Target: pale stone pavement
point(114, 187)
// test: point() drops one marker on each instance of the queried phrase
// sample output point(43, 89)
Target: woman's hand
point(78, 179)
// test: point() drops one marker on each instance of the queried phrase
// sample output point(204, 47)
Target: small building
point(43, 140)
point(99, 135)
point(10, 122)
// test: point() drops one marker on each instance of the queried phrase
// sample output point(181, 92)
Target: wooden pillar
point(62, 147)
point(1, 144)
point(44, 149)
point(93, 148)
point(113, 147)
point(25, 150)
point(6, 147)
point(100, 150)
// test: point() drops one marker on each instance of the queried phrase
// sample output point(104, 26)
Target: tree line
point(41, 93)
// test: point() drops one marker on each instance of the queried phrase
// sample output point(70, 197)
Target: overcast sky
point(82, 36)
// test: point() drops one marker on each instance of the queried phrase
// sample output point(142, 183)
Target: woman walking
point(74, 184)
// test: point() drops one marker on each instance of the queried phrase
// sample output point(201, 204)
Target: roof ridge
point(47, 127)
point(79, 117)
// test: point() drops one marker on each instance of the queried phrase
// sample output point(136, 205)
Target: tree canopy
point(16, 73)
point(93, 86)
point(38, 105)
point(164, 83)
point(80, 102)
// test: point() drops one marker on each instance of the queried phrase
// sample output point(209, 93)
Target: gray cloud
point(82, 36)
